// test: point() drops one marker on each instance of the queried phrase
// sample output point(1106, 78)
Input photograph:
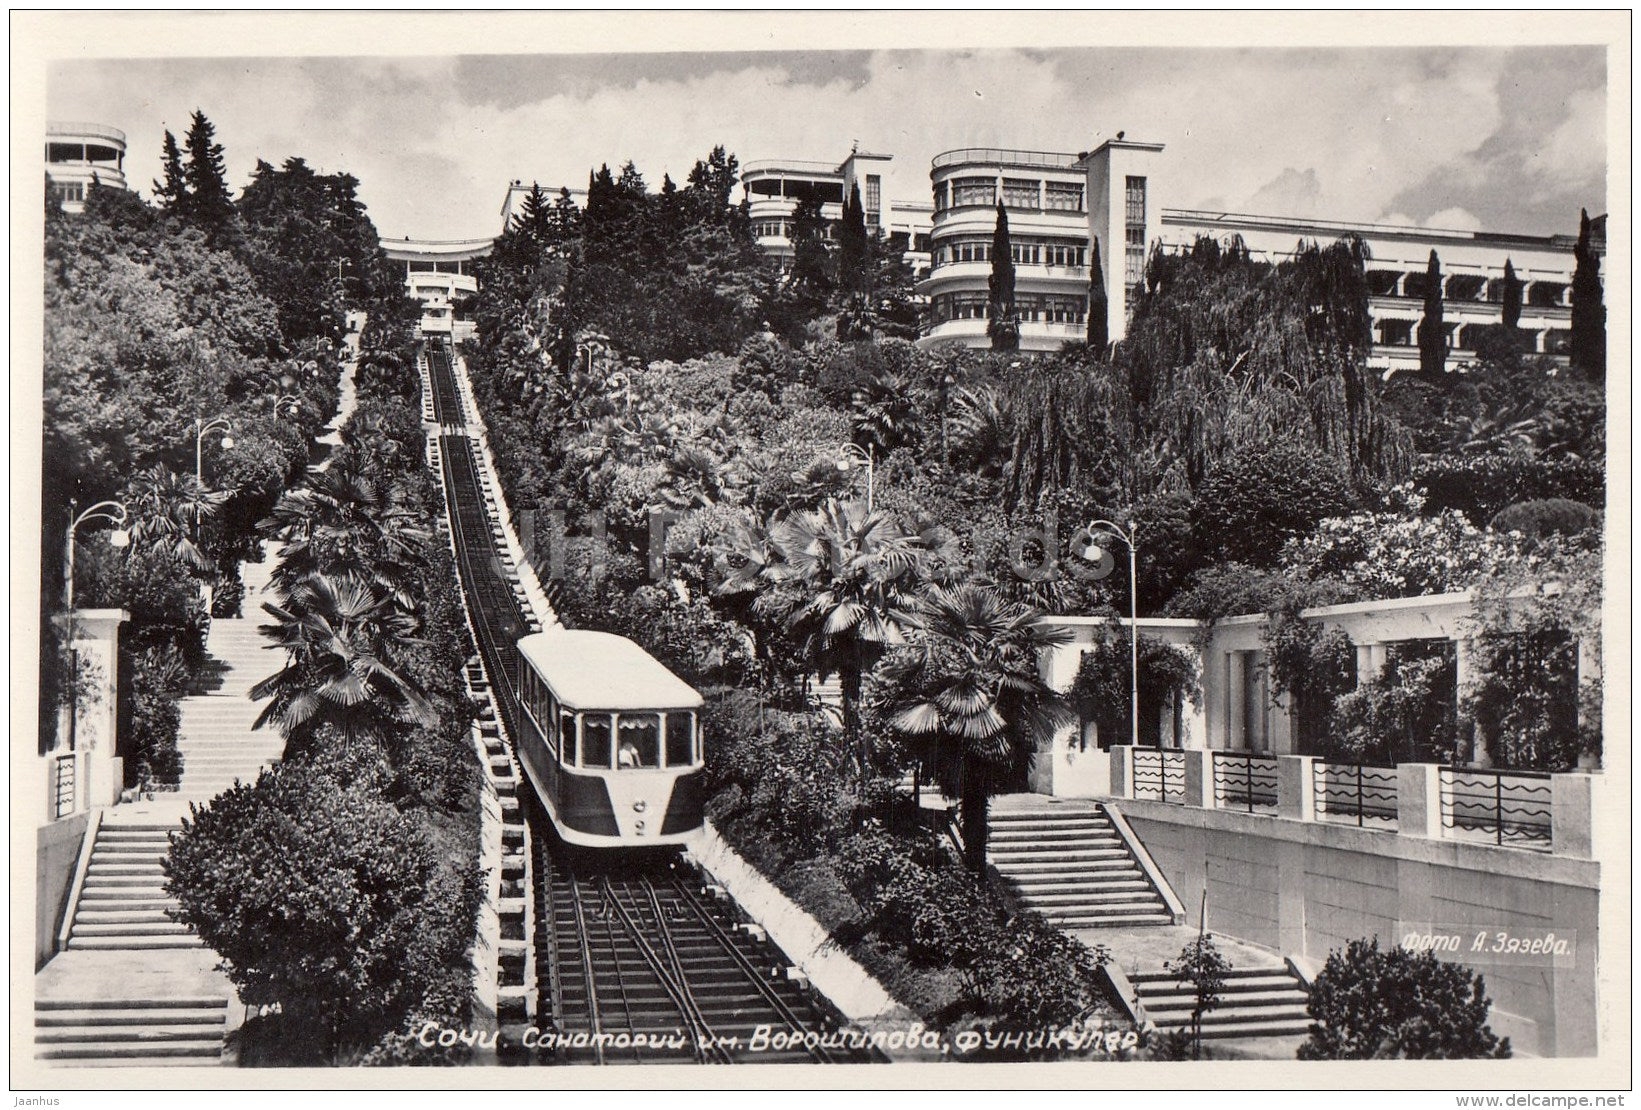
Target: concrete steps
point(154, 1032)
point(123, 903)
point(1255, 1002)
point(219, 746)
point(1074, 868)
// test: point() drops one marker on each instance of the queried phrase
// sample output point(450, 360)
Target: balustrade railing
point(1244, 780)
point(1355, 793)
point(1505, 807)
point(1159, 774)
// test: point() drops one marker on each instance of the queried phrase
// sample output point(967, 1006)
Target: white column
point(1236, 700)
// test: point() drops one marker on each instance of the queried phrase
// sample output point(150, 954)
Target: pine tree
point(532, 214)
point(1004, 324)
point(1432, 334)
point(1099, 328)
point(210, 206)
point(173, 191)
point(1512, 298)
point(1589, 324)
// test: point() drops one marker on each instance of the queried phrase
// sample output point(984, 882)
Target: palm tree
point(169, 512)
point(969, 687)
point(347, 522)
point(340, 637)
point(842, 582)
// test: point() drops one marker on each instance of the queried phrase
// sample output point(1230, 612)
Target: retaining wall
point(1305, 889)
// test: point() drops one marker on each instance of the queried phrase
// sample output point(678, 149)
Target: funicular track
point(636, 960)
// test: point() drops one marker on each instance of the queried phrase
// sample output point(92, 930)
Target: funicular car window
point(638, 743)
point(595, 740)
point(567, 736)
point(680, 739)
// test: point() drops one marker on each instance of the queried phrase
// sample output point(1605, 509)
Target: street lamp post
point(111, 511)
point(202, 427)
point(1096, 529)
point(853, 453)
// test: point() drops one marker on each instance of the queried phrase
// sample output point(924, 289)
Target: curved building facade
point(1059, 205)
point(78, 154)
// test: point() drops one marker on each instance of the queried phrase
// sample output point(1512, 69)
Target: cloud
point(1289, 193)
point(1454, 219)
point(1514, 138)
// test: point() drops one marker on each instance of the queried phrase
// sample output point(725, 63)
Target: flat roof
point(599, 670)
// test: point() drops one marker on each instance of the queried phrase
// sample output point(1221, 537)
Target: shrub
point(1101, 689)
point(1264, 495)
point(1038, 978)
point(1551, 516)
point(228, 596)
point(1406, 713)
point(1396, 553)
point(322, 899)
point(1480, 486)
point(1372, 1005)
point(158, 678)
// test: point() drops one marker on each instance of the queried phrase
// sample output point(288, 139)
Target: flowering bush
point(1398, 553)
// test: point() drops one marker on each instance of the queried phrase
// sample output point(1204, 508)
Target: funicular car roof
point(599, 670)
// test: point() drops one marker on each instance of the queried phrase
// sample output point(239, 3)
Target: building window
point(1063, 196)
point(1020, 193)
point(959, 306)
point(1064, 310)
point(964, 250)
point(874, 198)
point(1064, 254)
point(940, 196)
point(973, 191)
point(64, 192)
point(1134, 234)
point(1026, 254)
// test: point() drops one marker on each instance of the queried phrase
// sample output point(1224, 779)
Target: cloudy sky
point(1508, 139)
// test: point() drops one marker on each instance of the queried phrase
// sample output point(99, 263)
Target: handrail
point(76, 129)
point(88, 844)
point(1514, 808)
point(1345, 789)
point(1046, 159)
point(1231, 786)
point(1136, 848)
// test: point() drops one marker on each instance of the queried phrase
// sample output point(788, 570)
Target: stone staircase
point(1073, 866)
point(123, 903)
point(151, 1032)
point(1255, 1002)
point(219, 747)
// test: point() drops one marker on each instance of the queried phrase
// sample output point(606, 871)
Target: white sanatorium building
point(79, 153)
point(1061, 204)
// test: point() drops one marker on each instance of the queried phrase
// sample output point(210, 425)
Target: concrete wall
point(57, 855)
point(1308, 888)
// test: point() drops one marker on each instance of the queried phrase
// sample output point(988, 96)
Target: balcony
point(82, 131)
point(998, 156)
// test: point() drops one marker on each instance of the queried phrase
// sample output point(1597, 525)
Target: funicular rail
point(639, 964)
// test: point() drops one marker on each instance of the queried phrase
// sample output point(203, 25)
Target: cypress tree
point(811, 261)
point(1589, 324)
point(173, 191)
point(1512, 298)
point(854, 271)
point(1099, 329)
point(852, 244)
point(1004, 324)
point(1432, 335)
